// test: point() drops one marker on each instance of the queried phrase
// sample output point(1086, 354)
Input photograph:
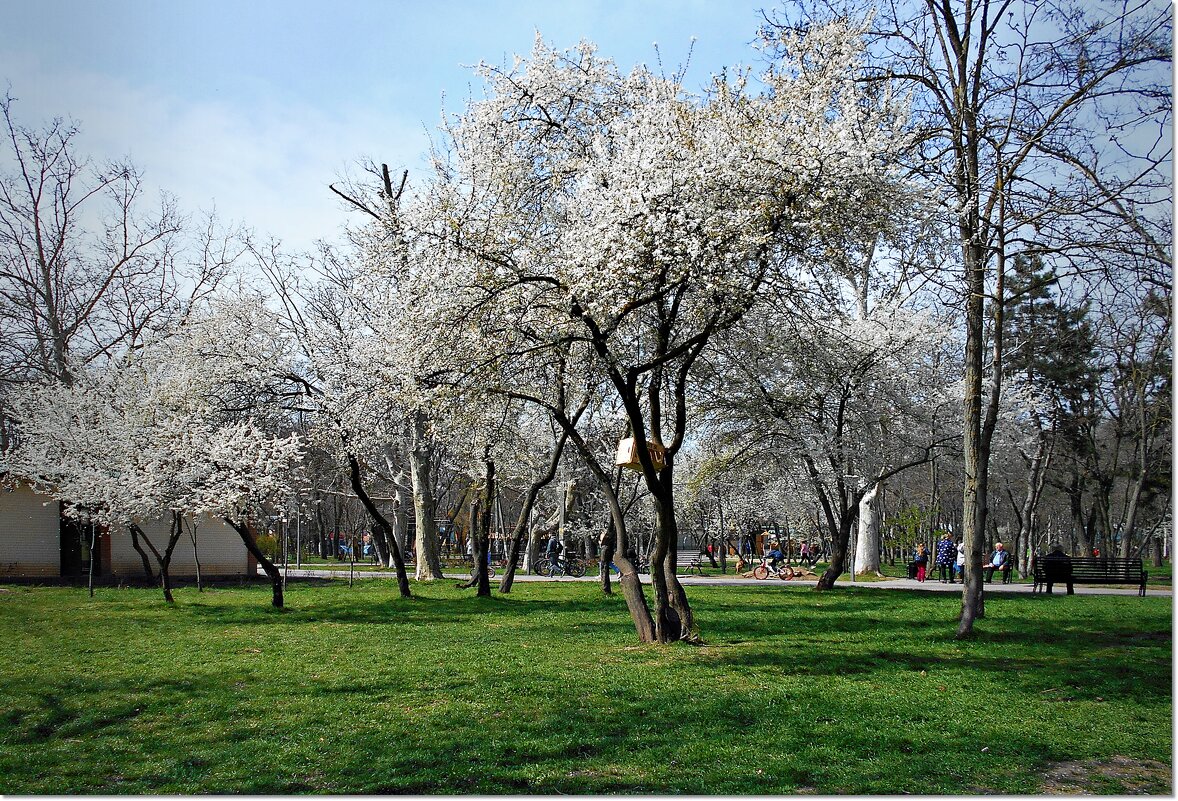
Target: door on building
point(76, 540)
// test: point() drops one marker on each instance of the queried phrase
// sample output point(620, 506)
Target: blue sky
point(256, 106)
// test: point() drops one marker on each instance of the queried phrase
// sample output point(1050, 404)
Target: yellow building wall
point(218, 546)
point(30, 533)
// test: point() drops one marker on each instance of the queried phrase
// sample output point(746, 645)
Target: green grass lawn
point(351, 690)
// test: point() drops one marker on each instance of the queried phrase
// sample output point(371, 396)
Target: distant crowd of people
point(949, 560)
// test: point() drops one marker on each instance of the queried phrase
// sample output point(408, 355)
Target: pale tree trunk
point(398, 522)
point(867, 544)
point(429, 560)
point(1036, 475)
point(1079, 523)
point(1129, 528)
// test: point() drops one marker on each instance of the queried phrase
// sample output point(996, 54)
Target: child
point(921, 562)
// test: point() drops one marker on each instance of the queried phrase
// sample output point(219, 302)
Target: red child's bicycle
point(763, 570)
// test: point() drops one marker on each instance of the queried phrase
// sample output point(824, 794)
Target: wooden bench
point(694, 566)
point(1094, 570)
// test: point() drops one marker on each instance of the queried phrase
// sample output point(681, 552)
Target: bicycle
point(762, 571)
point(474, 568)
point(572, 566)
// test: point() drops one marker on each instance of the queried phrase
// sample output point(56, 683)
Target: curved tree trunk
point(838, 553)
point(381, 523)
point(672, 613)
point(196, 556)
point(163, 560)
point(607, 544)
point(631, 585)
point(136, 533)
point(516, 540)
point(251, 545)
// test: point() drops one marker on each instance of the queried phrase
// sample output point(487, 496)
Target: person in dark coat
point(946, 554)
point(1057, 567)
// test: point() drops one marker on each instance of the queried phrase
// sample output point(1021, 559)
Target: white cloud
point(266, 166)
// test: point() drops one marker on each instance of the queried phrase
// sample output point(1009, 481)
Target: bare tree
point(88, 265)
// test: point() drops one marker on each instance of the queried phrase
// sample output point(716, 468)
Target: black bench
point(1090, 570)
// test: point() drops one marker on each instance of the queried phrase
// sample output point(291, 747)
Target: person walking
point(959, 567)
point(552, 551)
point(946, 554)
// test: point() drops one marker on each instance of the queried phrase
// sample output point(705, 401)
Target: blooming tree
point(181, 426)
point(578, 204)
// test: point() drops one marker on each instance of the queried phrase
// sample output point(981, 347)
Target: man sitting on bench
point(999, 560)
point(1057, 566)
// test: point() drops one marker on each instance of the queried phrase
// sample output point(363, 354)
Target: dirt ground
point(1113, 776)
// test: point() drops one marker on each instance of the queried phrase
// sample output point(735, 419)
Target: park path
point(733, 581)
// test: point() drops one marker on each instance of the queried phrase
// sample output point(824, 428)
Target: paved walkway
point(734, 581)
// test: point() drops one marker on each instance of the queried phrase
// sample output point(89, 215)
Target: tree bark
point(429, 561)
point(867, 544)
point(251, 545)
point(482, 530)
point(381, 523)
point(517, 535)
point(136, 532)
point(163, 560)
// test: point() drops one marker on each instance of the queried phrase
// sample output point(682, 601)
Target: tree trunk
point(138, 546)
point(838, 552)
point(380, 523)
point(482, 531)
point(1079, 523)
point(631, 585)
point(867, 543)
point(515, 542)
point(251, 545)
point(1036, 474)
point(607, 545)
point(196, 556)
point(672, 613)
point(429, 561)
point(978, 427)
point(1129, 527)
point(90, 571)
point(398, 524)
point(162, 560)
